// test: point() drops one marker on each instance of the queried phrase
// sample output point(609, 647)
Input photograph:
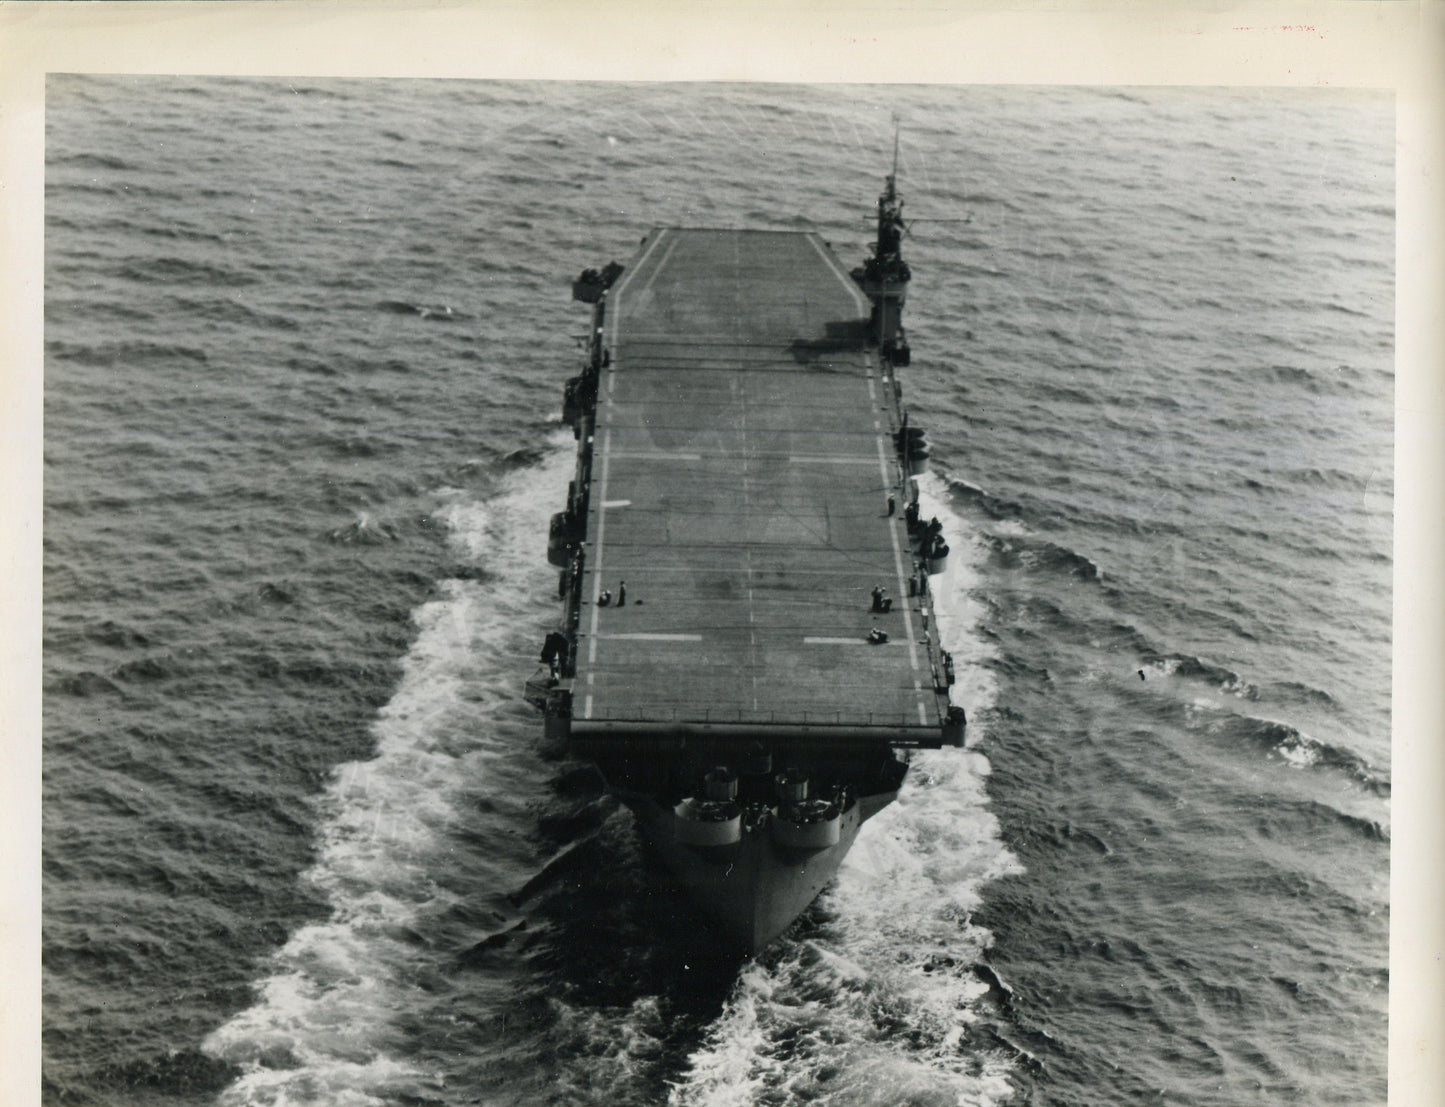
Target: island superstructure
point(747, 637)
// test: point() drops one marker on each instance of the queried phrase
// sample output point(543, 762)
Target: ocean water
point(303, 843)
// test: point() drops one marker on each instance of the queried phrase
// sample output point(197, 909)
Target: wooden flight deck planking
point(742, 463)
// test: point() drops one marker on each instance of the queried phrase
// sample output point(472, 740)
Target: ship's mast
point(884, 276)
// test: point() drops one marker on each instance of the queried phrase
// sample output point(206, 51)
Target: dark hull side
point(751, 891)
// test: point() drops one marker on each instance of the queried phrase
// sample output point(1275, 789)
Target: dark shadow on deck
point(846, 334)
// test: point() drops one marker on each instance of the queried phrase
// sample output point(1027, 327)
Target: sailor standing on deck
point(622, 593)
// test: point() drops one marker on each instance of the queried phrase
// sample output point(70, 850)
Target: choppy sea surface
point(303, 844)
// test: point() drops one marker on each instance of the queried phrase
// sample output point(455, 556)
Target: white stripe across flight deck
point(647, 637)
point(654, 455)
point(827, 459)
point(818, 641)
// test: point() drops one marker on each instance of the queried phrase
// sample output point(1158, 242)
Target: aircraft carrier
point(747, 643)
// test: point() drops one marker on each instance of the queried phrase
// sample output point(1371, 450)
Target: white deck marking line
point(922, 714)
point(859, 641)
point(617, 503)
point(647, 637)
point(821, 459)
point(657, 455)
point(872, 392)
point(616, 296)
point(838, 271)
point(661, 263)
point(898, 563)
point(587, 707)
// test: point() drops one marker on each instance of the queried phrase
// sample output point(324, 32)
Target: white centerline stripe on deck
point(922, 714)
point(858, 641)
point(644, 637)
point(617, 503)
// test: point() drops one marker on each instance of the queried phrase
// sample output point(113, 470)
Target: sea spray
point(322, 1031)
point(874, 999)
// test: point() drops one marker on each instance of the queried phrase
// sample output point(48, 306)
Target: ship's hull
point(754, 833)
point(753, 890)
point(729, 655)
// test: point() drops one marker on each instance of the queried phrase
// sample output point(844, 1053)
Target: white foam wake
point(879, 1008)
point(322, 1031)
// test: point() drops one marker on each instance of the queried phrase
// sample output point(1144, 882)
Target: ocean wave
point(438, 313)
point(111, 633)
point(147, 669)
point(524, 457)
point(1189, 667)
point(176, 1072)
point(89, 160)
point(322, 1031)
point(1298, 749)
point(1300, 693)
point(184, 272)
point(1021, 552)
point(109, 353)
point(1315, 815)
point(312, 365)
point(1293, 746)
point(363, 530)
point(1323, 477)
point(84, 683)
point(994, 506)
point(185, 234)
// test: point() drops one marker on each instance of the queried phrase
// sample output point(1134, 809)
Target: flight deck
point(746, 499)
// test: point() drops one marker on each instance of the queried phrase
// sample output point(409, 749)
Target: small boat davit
point(747, 650)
